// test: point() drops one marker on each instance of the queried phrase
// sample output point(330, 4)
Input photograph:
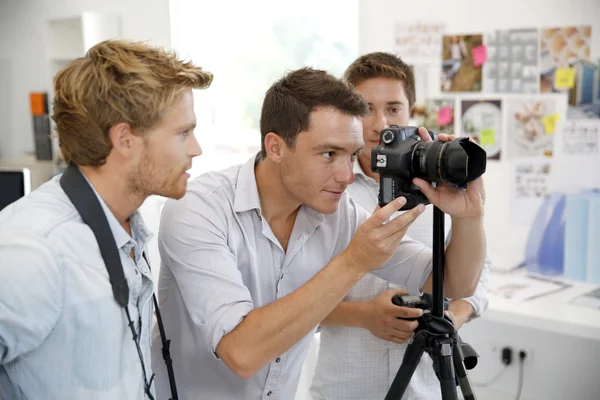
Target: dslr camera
point(402, 156)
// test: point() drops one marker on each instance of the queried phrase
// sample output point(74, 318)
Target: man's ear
point(122, 139)
point(275, 146)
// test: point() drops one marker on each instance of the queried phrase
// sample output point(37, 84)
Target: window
point(248, 46)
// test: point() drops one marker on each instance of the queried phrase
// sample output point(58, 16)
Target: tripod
point(436, 336)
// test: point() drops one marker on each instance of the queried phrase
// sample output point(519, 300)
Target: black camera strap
point(85, 201)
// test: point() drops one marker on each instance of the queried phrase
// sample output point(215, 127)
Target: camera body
point(402, 156)
point(393, 161)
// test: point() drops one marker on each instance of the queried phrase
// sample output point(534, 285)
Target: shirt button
point(277, 359)
point(269, 393)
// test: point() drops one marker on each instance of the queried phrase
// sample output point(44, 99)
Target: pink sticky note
point(479, 55)
point(444, 116)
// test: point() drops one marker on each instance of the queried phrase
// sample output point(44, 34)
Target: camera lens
point(387, 137)
point(457, 162)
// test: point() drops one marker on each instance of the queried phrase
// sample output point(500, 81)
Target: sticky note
point(564, 78)
point(479, 54)
point(444, 116)
point(487, 137)
point(549, 122)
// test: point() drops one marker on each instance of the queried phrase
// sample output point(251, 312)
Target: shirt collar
point(246, 191)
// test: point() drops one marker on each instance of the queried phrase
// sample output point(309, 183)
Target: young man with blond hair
point(362, 341)
point(125, 121)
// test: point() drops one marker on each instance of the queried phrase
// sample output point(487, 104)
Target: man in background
point(362, 343)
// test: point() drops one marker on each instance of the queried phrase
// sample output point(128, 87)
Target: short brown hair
point(289, 102)
point(117, 81)
point(382, 65)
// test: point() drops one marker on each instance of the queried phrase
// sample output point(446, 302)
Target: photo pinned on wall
point(566, 66)
point(462, 60)
point(512, 61)
point(482, 121)
point(437, 115)
point(529, 185)
point(581, 138)
point(531, 126)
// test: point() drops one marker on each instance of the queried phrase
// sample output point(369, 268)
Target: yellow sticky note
point(564, 78)
point(487, 137)
point(549, 122)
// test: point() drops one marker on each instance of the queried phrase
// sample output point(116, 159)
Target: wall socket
point(497, 351)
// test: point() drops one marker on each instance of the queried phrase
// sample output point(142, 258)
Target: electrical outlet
point(498, 347)
point(528, 351)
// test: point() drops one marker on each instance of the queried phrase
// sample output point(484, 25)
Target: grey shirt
point(220, 260)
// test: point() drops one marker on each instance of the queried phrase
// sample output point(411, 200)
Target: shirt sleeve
point(193, 247)
point(409, 266)
point(31, 293)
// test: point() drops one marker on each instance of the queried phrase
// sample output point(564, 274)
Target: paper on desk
point(590, 299)
point(523, 287)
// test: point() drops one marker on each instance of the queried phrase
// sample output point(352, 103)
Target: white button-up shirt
point(220, 260)
point(62, 333)
point(354, 364)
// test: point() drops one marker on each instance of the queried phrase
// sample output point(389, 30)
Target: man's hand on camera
point(464, 204)
point(381, 317)
point(376, 239)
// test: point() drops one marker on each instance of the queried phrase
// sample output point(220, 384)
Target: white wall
point(23, 66)
point(552, 354)
point(377, 21)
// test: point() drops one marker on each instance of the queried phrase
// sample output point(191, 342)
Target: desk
point(552, 312)
point(41, 171)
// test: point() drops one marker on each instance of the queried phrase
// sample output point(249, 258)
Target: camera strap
point(89, 208)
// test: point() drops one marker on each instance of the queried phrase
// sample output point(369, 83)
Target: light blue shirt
point(62, 334)
point(221, 260)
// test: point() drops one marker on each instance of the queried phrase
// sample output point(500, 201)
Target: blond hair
point(117, 81)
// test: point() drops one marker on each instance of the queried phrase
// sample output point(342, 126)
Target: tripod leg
point(461, 373)
point(442, 360)
point(410, 361)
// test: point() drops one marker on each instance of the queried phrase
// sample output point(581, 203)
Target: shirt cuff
point(224, 321)
point(478, 301)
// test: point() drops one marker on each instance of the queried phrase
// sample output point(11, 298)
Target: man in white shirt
point(361, 341)
point(124, 115)
point(254, 257)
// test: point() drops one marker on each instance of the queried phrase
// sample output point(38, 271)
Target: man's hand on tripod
point(381, 317)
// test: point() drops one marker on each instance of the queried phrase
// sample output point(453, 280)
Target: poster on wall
point(420, 42)
point(581, 138)
point(566, 66)
point(531, 126)
point(512, 61)
point(437, 115)
point(462, 58)
point(482, 121)
point(529, 184)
